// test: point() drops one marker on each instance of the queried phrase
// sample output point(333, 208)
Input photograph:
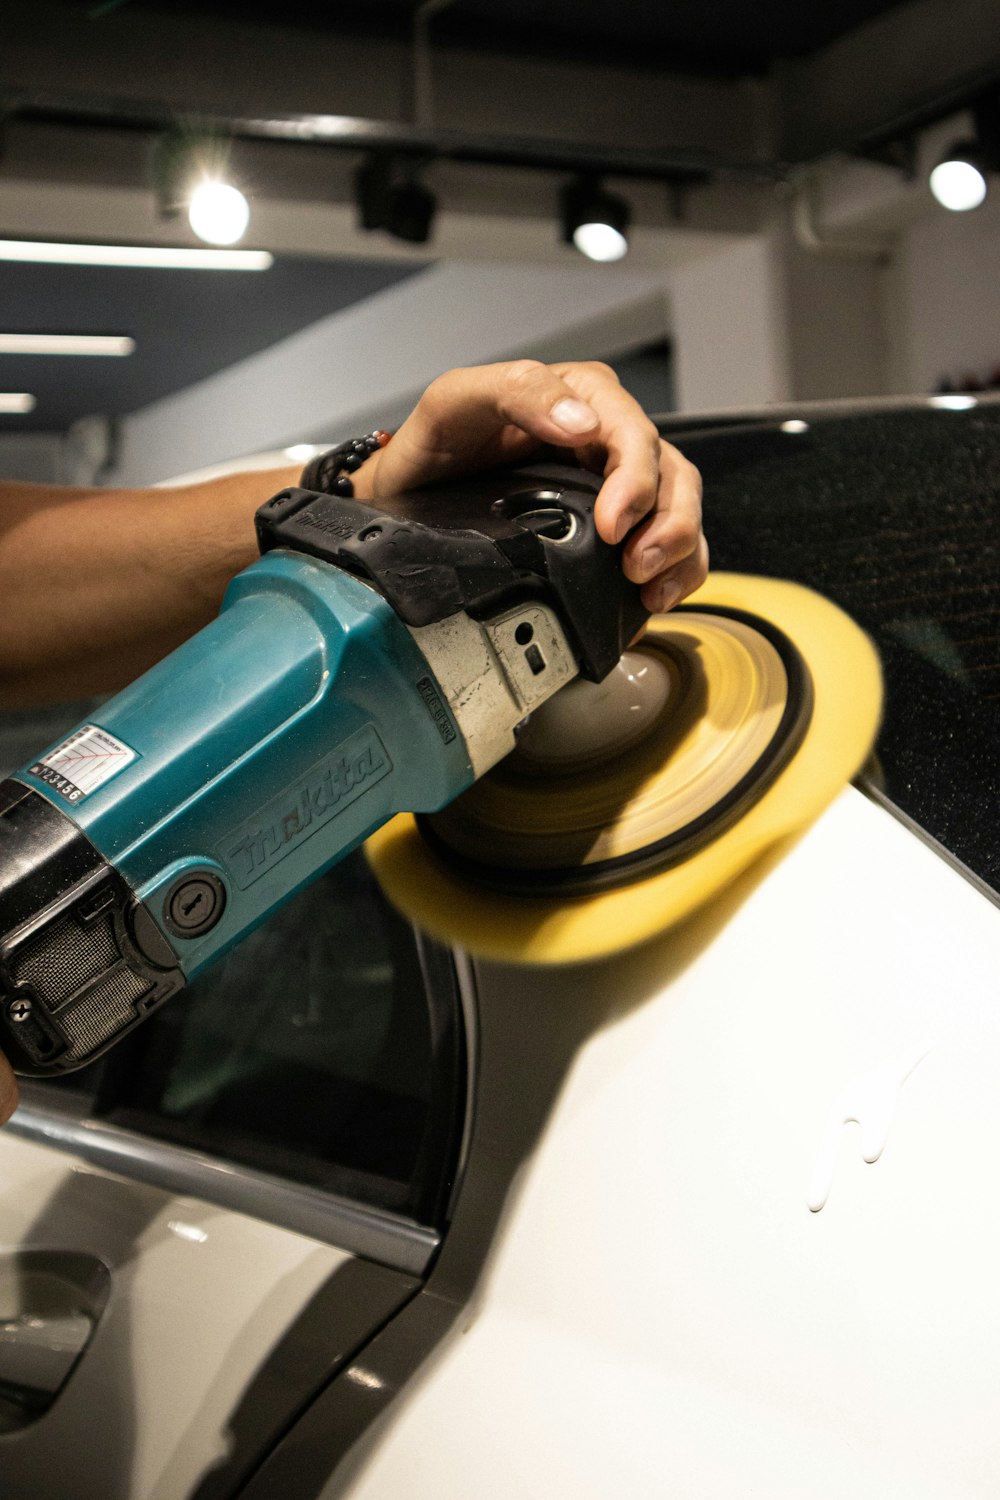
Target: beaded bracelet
point(331, 472)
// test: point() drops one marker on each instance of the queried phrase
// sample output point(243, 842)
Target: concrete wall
point(724, 312)
point(946, 298)
point(838, 324)
point(930, 302)
point(730, 321)
point(367, 365)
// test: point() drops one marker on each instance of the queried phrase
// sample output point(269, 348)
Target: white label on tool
point(81, 764)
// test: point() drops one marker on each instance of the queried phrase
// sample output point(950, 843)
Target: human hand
point(475, 418)
point(8, 1090)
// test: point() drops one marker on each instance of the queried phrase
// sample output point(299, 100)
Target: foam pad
point(847, 695)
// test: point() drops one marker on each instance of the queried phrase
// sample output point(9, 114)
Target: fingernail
point(573, 416)
point(668, 595)
point(651, 561)
point(624, 525)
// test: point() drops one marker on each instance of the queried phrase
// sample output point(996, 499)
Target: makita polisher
point(373, 660)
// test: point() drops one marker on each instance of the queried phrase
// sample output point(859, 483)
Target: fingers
point(524, 393)
point(471, 418)
point(668, 553)
point(490, 414)
point(8, 1091)
point(670, 587)
point(650, 491)
point(626, 449)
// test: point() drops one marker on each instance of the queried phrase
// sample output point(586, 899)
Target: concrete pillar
point(730, 327)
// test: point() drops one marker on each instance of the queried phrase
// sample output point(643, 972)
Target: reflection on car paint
point(868, 1101)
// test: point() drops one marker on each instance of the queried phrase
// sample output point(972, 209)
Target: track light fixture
point(960, 180)
point(190, 173)
point(593, 220)
point(391, 197)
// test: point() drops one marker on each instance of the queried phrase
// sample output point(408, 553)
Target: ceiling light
point(391, 197)
point(189, 170)
point(960, 180)
point(156, 257)
point(66, 343)
point(16, 401)
point(218, 212)
point(594, 221)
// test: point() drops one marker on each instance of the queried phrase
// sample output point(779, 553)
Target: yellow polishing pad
point(700, 759)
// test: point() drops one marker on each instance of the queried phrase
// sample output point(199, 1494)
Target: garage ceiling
point(85, 84)
point(186, 326)
point(723, 37)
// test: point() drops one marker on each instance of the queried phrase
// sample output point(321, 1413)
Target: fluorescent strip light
point(158, 256)
point(66, 343)
point(16, 401)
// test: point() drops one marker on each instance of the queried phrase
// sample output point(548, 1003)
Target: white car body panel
point(199, 1296)
point(662, 1314)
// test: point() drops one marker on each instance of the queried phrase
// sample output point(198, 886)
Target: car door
point(198, 1230)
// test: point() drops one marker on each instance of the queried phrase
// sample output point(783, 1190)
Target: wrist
point(222, 515)
point(347, 470)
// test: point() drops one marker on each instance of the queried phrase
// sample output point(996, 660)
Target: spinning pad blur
point(772, 704)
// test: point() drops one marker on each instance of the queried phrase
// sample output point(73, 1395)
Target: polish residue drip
point(868, 1101)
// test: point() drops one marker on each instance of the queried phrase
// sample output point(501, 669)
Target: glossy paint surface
point(660, 1311)
point(199, 1297)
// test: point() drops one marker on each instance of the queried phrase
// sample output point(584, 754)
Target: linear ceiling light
point(156, 256)
point(66, 343)
point(12, 402)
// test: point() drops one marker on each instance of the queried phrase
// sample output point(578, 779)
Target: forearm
point(97, 585)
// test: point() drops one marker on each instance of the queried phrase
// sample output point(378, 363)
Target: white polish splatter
point(868, 1101)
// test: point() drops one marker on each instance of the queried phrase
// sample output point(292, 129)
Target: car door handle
point(38, 1353)
point(51, 1301)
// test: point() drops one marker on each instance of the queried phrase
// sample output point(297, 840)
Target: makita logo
point(331, 786)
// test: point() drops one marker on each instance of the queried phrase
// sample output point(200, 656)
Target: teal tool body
point(374, 660)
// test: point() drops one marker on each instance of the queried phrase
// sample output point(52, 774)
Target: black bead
point(329, 471)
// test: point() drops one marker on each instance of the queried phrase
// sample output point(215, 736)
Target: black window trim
point(393, 1240)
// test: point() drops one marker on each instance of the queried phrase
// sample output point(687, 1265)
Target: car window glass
point(895, 515)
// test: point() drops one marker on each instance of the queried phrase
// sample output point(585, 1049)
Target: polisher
point(373, 659)
point(447, 677)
